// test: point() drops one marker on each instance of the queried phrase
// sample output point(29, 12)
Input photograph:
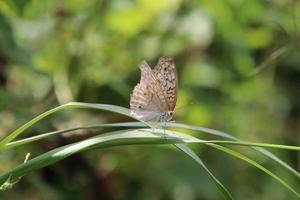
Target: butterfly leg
point(170, 126)
point(153, 129)
point(164, 127)
point(162, 124)
point(153, 126)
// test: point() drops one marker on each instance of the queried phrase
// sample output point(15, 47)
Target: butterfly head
point(167, 116)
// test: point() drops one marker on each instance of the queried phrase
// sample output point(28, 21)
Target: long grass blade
point(222, 135)
point(125, 111)
point(112, 108)
point(224, 191)
point(255, 164)
point(140, 136)
point(52, 133)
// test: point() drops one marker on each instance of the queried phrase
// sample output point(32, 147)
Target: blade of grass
point(42, 136)
point(183, 147)
point(62, 152)
point(141, 136)
point(52, 133)
point(255, 164)
point(255, 144)
point(91, 144)
point(190, 139)
point(125, 111)
point(223, 135)
point(228, 136)
point(112, 108)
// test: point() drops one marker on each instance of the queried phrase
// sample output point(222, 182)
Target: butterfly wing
point(165, 73)
point(147, 99)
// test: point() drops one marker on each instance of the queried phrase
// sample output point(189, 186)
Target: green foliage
point(238, 65)
point(126, 137)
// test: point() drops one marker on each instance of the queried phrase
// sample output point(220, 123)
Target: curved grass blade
point(141, 136)
point(112, 108)
point(125, 111)
point(52, 133)
point(191, 139)
point(255, 164)
point(183, 147)
point(228, 136)
point(255, 144)
point(106, 140)
point(62, 152)
point(222, 135)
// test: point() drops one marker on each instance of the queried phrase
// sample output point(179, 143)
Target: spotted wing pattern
point(157, 90)
point(166, 74)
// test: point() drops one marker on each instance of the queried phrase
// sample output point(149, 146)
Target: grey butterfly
point(154, 98)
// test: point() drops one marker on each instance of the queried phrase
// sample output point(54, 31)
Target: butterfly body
point(154, 98)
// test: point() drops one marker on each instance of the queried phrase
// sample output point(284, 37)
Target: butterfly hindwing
point(144, 104)
point(145, 101)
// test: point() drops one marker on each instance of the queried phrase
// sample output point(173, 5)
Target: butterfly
point(154, 97)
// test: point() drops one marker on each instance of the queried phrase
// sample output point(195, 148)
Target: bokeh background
point(239, 71)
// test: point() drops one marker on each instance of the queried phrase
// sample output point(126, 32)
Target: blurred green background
point(239, 71)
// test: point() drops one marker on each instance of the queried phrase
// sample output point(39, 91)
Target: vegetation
point(238, 64)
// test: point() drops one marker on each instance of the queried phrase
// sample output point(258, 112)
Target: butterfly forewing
point(156, 93)
point(166, 74)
